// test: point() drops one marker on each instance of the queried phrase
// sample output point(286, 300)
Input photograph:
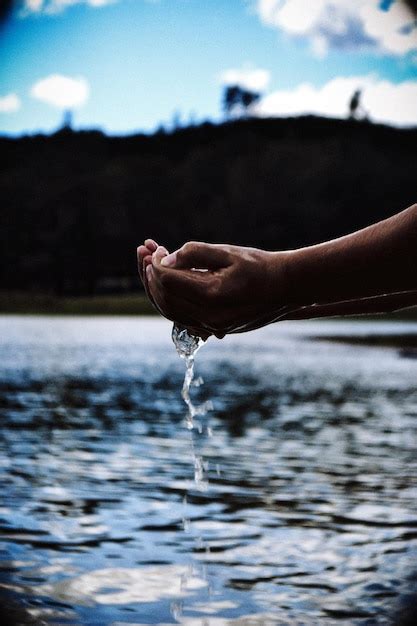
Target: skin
point(373, 270)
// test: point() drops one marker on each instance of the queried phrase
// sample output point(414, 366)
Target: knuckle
point(189, 247)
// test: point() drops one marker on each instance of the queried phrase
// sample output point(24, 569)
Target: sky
point(126, 66)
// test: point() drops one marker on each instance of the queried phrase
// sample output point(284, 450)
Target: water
point(311, 520)
point(187, 346)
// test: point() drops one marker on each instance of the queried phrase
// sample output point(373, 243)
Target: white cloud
point(249, 77)
point(10, 103)
point(345, 24)
point(33, 6)
point(383, 101)
point(393, 28)
point(56, 6)
point(61, 91)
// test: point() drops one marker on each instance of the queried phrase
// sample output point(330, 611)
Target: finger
point(198, 255)
point(151, 244)
point(148, 277)
point(142, 252)
point(190, 286)
point(148, 247)
point(175, 307)
point(193, 286)
point(157, 257)
point(169, 306)
point(145, 256)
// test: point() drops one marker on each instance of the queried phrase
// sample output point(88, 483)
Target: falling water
point(187, 346)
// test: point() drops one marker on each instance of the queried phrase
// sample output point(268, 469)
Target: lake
point(310, 514)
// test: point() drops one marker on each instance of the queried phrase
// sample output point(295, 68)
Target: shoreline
point(21, 303)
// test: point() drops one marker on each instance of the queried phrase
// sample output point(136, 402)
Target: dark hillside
point(74, 206)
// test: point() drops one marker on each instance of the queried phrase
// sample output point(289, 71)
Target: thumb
point(197, 255)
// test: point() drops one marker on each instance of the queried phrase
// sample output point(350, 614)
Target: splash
point(187, 346)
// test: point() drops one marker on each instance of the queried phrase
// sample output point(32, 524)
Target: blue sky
point(128, 65)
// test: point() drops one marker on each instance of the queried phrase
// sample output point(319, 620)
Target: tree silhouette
point(237, 101)
point(248, 98)
point(67, 120)
point(231, 97)
point(356, 110)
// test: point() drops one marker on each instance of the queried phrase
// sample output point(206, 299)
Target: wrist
point(299, 269)
point(282, 292)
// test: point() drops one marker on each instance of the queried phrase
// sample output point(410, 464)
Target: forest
point(75, 205)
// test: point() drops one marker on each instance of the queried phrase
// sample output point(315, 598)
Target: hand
point(218, 288)
point(144, 256)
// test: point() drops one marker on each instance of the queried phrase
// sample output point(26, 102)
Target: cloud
point(62, 92)
point(383, 100)
point(57, 6)
point(249, 77)
point(10, 103)
point(343, 24)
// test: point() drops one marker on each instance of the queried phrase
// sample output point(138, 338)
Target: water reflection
point(125, 585)
point(311, 519)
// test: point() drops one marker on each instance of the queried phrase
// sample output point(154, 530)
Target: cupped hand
point(144, 257)
point(218, 288)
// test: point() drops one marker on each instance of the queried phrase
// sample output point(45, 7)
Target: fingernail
point(149, 272)
point(150, 243)
point(161, 251)
point(170, 260)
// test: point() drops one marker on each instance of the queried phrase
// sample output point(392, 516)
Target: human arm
point(377, 260)
point(244, 288)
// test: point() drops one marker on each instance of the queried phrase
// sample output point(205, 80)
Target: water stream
point(187, 346)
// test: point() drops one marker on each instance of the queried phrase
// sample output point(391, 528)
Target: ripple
point(311, 519)
point(126, 585)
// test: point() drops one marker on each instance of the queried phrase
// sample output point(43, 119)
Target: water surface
point(310, 516)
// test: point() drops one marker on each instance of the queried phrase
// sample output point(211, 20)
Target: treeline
point(75, 205)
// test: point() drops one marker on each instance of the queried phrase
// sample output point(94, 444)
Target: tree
point(248, 98)
point(67, 120)
point(354, 103)
point(356, 109)
point(238, 101)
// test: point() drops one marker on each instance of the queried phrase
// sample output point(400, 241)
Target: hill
point(74, 205)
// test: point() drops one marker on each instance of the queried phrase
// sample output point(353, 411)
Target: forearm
point(364, 306)
point(380, 259)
